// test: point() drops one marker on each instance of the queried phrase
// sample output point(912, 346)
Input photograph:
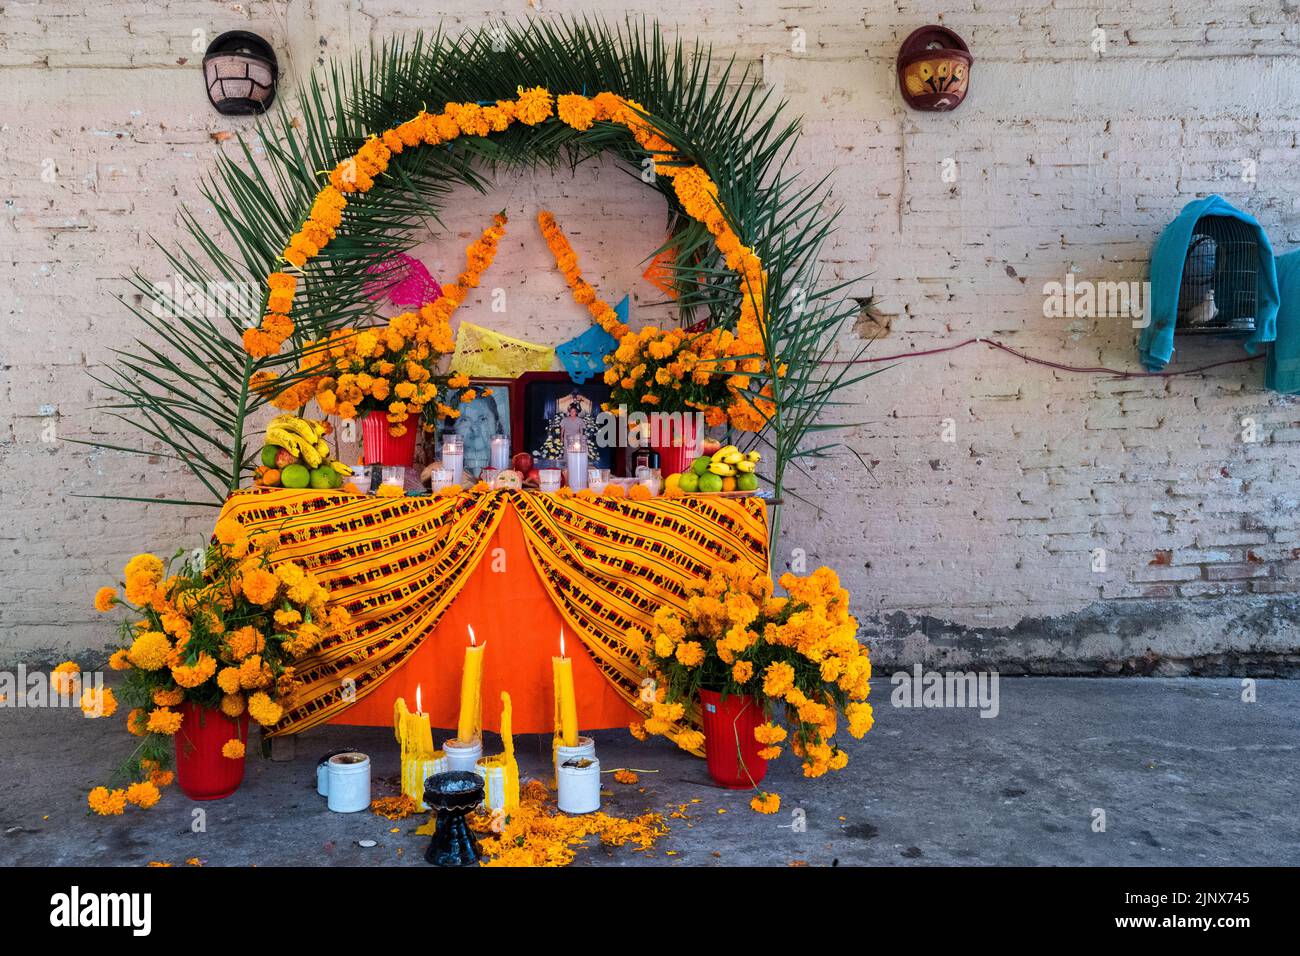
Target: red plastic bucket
point(678, 446)
point(729, 745)
point(381, 448)
point(202, 772)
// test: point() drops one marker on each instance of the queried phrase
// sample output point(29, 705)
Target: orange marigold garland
point(694, 189)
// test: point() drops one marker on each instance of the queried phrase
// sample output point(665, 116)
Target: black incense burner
point(453, 794)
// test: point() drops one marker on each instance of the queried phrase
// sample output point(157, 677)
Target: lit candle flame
point(561, 642)
point(472, 641)
point(418, 708)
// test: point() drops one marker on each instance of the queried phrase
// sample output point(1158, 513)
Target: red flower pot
point(679, 444)
point(729, 745)
point(381, 448)
point(202, 772)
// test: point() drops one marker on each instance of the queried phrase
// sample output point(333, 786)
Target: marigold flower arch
point(695, 190)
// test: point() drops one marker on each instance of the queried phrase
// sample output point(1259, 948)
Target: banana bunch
point(731, 461)
point(304, 439)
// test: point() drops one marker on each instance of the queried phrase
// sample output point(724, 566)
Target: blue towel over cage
point(1212, 272)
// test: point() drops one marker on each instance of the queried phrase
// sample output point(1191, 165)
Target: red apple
point(709, 446)
point(522, 462)
point(284, 457)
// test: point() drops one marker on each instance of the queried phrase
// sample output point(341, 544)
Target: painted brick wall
point(978, 548)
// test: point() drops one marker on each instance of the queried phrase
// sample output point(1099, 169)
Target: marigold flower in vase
point(233, 749)
point(168, 698)
point(105, 599)
point(264, 710)
point(143, 794)
point(769, 753)
point(637, 730)
point(742, 671)
point(163, 721)
point(765, 802)
point(107, 802)
point(119, 661)
point(137, 722)
point(99, 703)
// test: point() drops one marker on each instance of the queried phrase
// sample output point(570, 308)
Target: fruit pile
point(727, 469)
point(296, 455)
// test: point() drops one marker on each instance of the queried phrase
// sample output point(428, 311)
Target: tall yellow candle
point(501, 772)
point(415, 737)
point(470, 725)
point(566, 705)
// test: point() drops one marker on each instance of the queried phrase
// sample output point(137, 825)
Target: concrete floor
point(1186, 773)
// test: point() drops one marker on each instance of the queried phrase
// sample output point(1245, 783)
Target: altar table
point(416, 572)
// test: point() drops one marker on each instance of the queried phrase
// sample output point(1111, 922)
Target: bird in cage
point(1203, 312)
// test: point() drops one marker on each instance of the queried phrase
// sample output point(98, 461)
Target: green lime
point(268, 455)
point(700, 466)
point(747, 482)
point(322, 477)
point(689, 483)
point(295, 476)
point(710, 483)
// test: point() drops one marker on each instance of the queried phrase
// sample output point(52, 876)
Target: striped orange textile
point(396, 564)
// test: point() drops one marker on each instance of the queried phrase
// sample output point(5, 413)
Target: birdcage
point(1218, 291)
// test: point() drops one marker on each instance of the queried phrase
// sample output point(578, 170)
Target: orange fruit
point(728, 484)
point(271, 477)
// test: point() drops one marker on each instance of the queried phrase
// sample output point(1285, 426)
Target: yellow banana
point(733, 458)
point(746, 467)
point(287, 440)
point(310, 456)
point(722, 453)
point(722, 468)
point(753, 456)
point(341, 468)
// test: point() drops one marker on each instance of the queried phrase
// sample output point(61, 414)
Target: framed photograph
point(551, 408)
point(487, 415)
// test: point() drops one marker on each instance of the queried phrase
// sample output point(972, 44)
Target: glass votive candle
point(453, 456)
point(500, 452)
point(549, 479)
point(597, 479)
point(394, 475)
point(575, 460)
point(439, 478)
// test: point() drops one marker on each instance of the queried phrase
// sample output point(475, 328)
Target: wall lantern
point(934, 69)
point(240, 70)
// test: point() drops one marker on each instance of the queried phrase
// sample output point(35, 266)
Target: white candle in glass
point(500, 455)
point(439, 478)
point(597, 478)
point(453, 456)
point(575, 455)
point(548, 479)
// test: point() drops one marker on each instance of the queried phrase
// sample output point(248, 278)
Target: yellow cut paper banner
point(482, 353)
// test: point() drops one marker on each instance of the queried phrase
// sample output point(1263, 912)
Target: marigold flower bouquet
point(219, 633)
point(797, 655)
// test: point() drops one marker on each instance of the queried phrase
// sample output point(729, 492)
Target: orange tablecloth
point(505, 602)
point(414, 572)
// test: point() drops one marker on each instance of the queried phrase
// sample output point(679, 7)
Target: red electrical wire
point(1087, 370)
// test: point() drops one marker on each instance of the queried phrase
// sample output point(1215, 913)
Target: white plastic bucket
point(579, 787)
point(349, 782)
point(463, 756)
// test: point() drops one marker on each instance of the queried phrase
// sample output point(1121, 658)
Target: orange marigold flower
point(163, 721)
point(143, 794)
point(107, 802)
point(168, 698)
point(105, 599)
point(623, 775)
point(765, 802)
point(99, 703)
point(66, 678)
point(260, 586)
point(233, 749)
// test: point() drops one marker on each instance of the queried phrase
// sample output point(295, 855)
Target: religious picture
point(556, 410)
point(487, 415)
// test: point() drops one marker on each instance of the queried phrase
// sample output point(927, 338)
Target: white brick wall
point(976, 549)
